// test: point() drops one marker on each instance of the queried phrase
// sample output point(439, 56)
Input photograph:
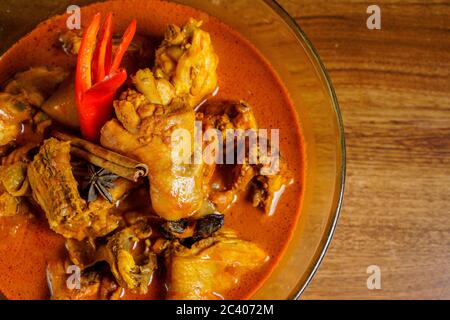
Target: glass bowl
point(283, 43)
point(279, 38)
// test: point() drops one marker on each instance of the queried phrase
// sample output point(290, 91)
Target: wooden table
point(393, 86)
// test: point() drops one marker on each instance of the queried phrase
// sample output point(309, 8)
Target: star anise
point(96, 181)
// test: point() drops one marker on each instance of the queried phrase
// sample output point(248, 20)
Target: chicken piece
point(61, 105)
point(14, 111)
point(231, 117)
point(272, 179)
point(82, 253)
point(157, 91)
point(66, 282)
point(185, 73)
point(237, 118)
point(55, 189)
point(131, 269)
point(9, 205)
point(187, 59)
point(211, 267)
point(20, 154)
point(66, 285)
point(265, 190)
point(28, 89)
point(14, 179)
point(14, 182)
point(71, 41)
point(13, 185)
point(36, 84)
point(145, 132)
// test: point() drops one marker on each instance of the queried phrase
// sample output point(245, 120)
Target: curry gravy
point(27, 243)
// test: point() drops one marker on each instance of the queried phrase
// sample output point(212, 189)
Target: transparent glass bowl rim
point(332, 224)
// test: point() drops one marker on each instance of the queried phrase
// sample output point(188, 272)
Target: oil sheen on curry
point(92, 203)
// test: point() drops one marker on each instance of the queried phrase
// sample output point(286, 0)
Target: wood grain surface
point(393, 86)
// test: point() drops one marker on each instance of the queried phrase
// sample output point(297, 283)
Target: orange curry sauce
point(27, 244)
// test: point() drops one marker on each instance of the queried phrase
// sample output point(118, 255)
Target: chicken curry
point(92, 203)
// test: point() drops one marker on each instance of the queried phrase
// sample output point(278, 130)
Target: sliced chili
point(98, 76)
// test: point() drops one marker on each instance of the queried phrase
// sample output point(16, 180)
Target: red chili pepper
point(126, 41)
point(98, 76)
point(102, 56)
